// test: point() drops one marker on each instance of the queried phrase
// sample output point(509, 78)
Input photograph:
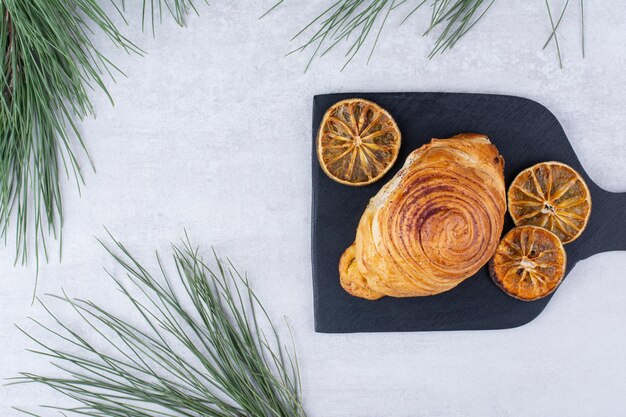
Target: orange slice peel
point(551, 195)
point(529, 263)
point(358, 142)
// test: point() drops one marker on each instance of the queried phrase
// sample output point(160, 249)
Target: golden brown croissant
point(434, 224)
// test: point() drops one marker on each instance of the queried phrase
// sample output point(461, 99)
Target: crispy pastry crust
point(351, 279)
point(436, 223)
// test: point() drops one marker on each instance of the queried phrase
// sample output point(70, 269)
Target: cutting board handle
point(609, 216)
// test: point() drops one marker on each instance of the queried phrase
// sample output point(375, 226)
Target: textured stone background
point(211, 132)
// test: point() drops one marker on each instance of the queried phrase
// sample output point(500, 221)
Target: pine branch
point(353, 21)
point(201, 351)
point(49, 68)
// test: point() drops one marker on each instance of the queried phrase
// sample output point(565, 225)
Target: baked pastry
point(434, 224)
point(351, 278)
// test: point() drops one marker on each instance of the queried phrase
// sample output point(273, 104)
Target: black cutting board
point(525, 133)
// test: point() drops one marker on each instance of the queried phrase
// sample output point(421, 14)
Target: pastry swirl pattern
point(436, 223)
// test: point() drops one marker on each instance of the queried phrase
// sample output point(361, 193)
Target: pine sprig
point(48, 68)
point(201, 351)
point(50, 65)
point(354, 22)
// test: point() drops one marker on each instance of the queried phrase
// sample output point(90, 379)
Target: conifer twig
point(197, 342)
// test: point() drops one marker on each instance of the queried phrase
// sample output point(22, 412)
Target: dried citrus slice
point(529, 263)
point(553, 196)
point(351, 278)
point(358, 142)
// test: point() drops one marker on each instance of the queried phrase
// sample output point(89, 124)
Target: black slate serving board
point(525, 133)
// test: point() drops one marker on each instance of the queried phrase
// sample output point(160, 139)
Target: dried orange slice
point(351, 278)
point(529, 263)
point(553, 196)
point(358, 142)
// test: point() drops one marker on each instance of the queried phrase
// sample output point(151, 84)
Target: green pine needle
point(553, 34)
point(48, 68)
point(196, 351)
point(555, 26)
point(582, 26)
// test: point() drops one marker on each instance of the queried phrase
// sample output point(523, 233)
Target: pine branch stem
point(8, 88)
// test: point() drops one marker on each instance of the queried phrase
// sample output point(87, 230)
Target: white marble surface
point(211, 132)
